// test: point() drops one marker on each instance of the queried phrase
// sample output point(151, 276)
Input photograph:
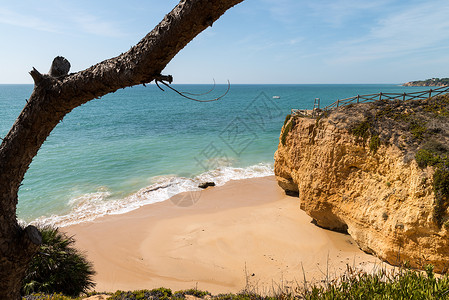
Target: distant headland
point(429, 82)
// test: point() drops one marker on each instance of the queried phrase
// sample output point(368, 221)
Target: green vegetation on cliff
point(437, 155)
point(287, 128)
point(419, 127)
point(412, 122)
point(429, 82)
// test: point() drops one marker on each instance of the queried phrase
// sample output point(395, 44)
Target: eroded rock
point(364, 178)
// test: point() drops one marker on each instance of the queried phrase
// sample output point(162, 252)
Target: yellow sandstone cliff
point(379, 171)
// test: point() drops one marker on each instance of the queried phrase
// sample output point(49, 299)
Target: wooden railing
point(388, 96)
point(372, 97)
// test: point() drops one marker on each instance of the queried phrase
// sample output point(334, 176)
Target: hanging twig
point(169, 78)
point(156, 81)
point(162, 78)
point(198, 100)
point(208, 92)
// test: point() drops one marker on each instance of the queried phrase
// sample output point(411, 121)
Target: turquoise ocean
point(141, 145)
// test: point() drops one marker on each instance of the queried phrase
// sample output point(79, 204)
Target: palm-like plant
point(58, 267)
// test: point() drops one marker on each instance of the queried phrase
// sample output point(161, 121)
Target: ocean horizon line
point(225, 83)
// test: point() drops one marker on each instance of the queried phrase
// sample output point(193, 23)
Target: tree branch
point(57, 94)
point(37, 77)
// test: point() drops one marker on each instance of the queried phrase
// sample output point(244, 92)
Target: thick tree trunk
point(54, 97)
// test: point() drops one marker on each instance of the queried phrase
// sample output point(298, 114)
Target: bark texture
point(55, 96)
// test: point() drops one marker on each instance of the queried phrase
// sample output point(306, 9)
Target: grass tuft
point(400, 285)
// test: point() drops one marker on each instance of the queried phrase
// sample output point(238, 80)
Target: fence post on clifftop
point(358, 96)
point(380, 96)
point(338, 101)
point(430, 93)
point(403, 97)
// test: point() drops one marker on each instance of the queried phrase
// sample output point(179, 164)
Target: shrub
point(441, 181)
point(287, 117)
point(441, 191)
point(154, 294)
point(192, 292)
point(418, 129)
point(287, 129)
point(374, 143)
point(426, 158)
point(437, 156)
point(40, 296)
point(248, 296)
point(58, 267)
point(362, 129)
point(435, 146)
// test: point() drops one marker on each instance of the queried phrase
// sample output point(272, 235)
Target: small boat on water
point(276, 97)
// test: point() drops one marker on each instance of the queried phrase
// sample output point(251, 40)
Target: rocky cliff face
point(379, 171)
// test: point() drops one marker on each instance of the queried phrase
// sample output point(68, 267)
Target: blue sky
point(258, 41)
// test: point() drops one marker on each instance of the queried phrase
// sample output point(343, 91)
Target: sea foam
point(89, 207)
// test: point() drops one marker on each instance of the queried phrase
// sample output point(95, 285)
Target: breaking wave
point(90, 206)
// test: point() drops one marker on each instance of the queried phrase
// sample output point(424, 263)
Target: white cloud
point(88, 19)
point(13, 18)
point(415, 30)
point(94, 25)
point(63, 19)
point(286, 11)
point(333, 12)
point(295, 41)
point(336, 13)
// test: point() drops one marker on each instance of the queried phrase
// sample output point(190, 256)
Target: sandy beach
point(216, 240)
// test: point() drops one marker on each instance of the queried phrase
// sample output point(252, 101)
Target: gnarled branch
point(57, 94)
